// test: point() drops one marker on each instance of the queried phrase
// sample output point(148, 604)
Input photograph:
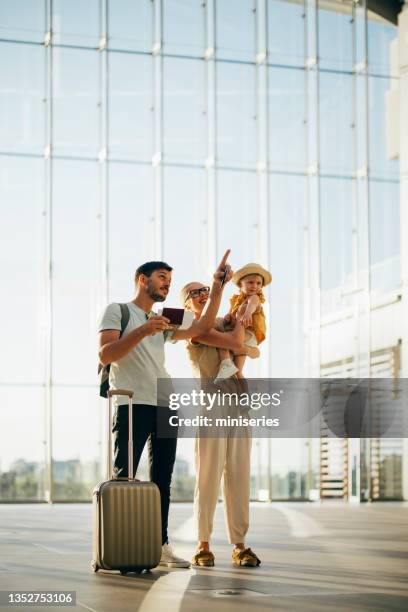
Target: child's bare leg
point(223, 354)
point(239, 335)
point(239, 361)
point(227, 367)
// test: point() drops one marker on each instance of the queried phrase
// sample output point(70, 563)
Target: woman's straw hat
point(252, 268)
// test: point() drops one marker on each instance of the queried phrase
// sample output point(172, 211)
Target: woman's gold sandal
point(203, 558)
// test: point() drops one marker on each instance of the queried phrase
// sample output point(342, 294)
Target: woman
point(219, 456)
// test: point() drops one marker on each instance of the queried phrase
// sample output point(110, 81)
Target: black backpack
point(103, 370)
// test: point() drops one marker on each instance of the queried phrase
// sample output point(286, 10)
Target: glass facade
point(174, 129)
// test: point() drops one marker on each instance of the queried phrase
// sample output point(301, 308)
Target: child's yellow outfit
point(258, 318)
point(256, 333)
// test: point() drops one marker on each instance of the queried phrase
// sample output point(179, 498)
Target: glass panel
point(287, 147)
point(22, 20)
point(384, 199)
point(130, 106)
point(380, 165)
point(390, 455)
point(76, 22)
point(289, 462)
point(22, 429)
point(183, 110)
point(237, 228)
point(237, 215)
point(236, 115)
point(336, 273)
point(131, 226)
point(22, 269)
point(361, 139)
point(336, 37)
point(286, 246)
point(184, 216)
point(130, 24)
point(380, 33)
point(336, 133)
point(286, 45)
point(183, 481)
point(76, 102)
point(77, 442)
point(75, 267)
point(235, 30)
point(184, 27)
point(22, 91)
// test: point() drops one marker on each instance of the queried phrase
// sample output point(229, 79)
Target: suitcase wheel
point(94, 566)
point(123, 572)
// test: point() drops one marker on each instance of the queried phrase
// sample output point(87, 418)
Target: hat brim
point(252, 269)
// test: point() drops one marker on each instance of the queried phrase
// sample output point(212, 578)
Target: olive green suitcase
point(126, 516)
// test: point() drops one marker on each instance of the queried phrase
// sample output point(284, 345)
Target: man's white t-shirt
point(139, 370)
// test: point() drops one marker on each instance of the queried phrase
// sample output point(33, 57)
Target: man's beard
point(157, 297)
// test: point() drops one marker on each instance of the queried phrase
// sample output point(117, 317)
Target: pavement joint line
point(173, 586)
point(302, 525)
point(80, 603)
point(49, 548)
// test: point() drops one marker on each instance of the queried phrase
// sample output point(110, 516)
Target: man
point(137, 361)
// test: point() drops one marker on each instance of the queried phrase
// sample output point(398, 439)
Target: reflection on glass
point(22, 91)
point(130, 106)
point(286, 254)
point(76, 22)
point(286, 44)
point(236, 113)
point(22, 270)
point(130, 24)
point(385, 272)
point(77, 464)
point(75, 267)
point(184, 27)
point(286, 97)
point(336, 119)
point(131, 226)
point(75, 105)
point(22, 20)
point(183, 110)
point(22, 468)
point(380, 33)
point(380, 165)
point(335, 242)
point(336, 37)
point(235, 30)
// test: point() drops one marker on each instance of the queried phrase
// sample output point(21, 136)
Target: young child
point(246, 307)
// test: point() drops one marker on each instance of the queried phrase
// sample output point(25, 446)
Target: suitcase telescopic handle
point(129, 395)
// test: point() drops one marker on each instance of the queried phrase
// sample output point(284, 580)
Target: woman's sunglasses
point(194, 293)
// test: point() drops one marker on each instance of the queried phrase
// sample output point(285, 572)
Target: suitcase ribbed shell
point(127, 525)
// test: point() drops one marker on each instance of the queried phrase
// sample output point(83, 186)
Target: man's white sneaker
point(169, 559)
point(227, 369)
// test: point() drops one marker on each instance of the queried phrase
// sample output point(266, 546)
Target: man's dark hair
point(150, 266)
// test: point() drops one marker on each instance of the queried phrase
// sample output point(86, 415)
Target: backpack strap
point(125, 315)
